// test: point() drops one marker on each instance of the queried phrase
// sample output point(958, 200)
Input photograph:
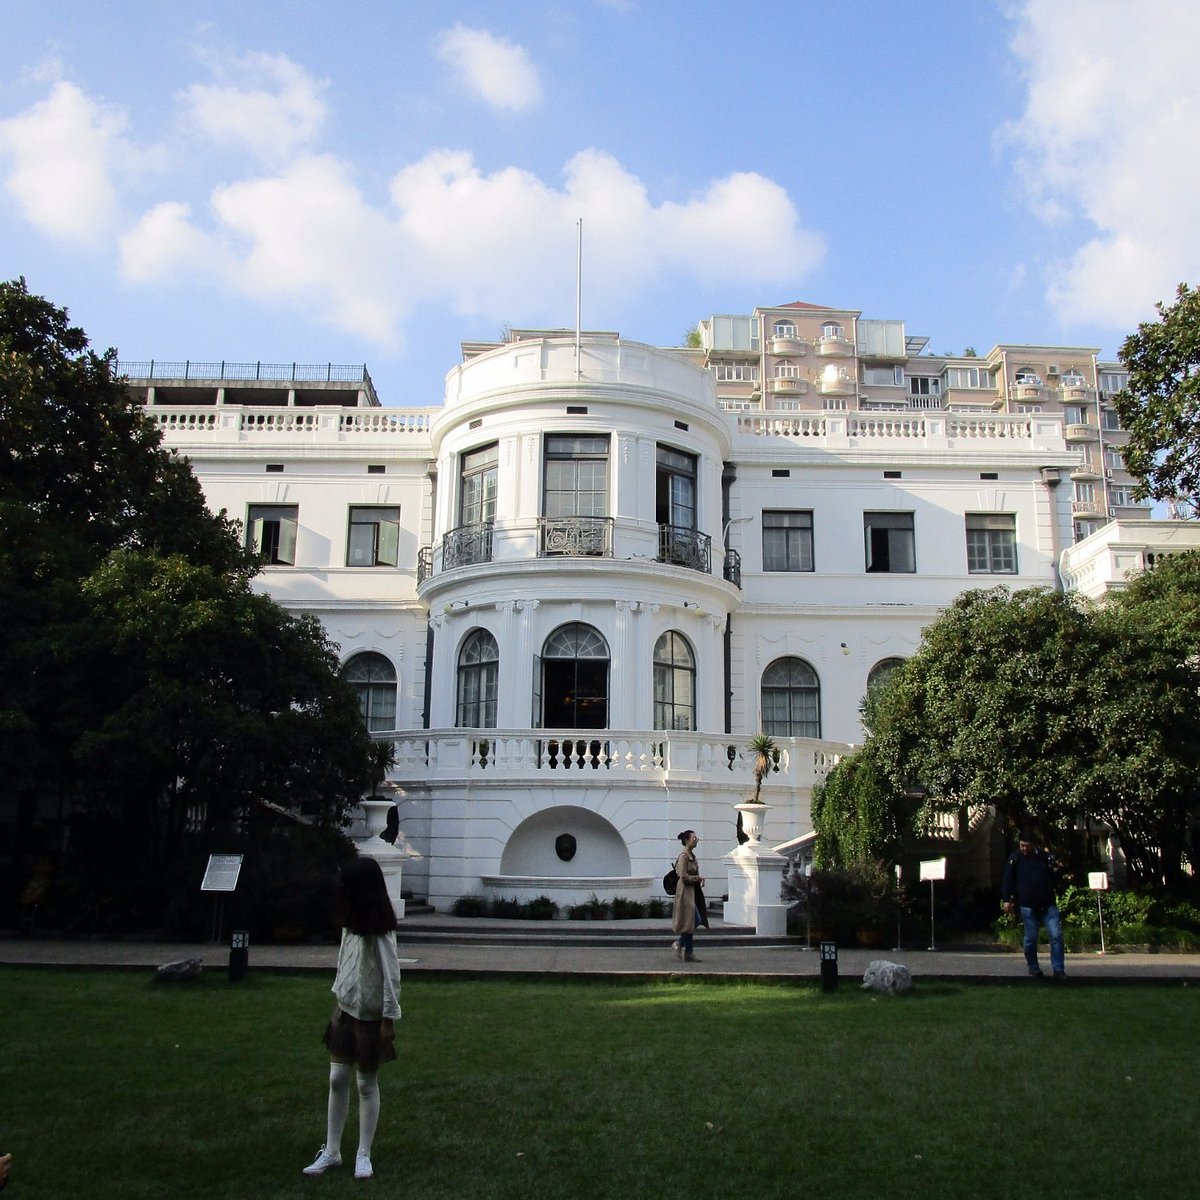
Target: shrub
point(626, 910)
point(592, 909)
point(470, 906)
point(658, 908)
point(540, 908)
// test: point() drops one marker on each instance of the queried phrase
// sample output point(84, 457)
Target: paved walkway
point(640, 949)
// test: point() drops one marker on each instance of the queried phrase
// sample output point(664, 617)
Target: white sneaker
point(678, 950)
point(362, 1166)
point(325, 1160)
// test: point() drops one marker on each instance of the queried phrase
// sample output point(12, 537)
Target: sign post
point(1098, 882)
point(221, 876)
point(931, 869)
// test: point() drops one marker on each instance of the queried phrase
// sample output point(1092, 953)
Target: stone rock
point(184, 968)
point(883, 976)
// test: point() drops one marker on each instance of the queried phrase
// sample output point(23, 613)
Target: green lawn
point(112, 1086)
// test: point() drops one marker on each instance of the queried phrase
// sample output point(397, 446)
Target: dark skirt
point(351, 1040)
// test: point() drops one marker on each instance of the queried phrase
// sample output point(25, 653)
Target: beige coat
point(684, 918)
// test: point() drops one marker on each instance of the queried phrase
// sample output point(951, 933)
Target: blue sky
point(377, 182)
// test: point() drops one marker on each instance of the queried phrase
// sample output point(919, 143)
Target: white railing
point(576, 757)
point(235, 421)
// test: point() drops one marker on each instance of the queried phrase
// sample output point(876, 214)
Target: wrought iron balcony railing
point(588, 536)
point(466, 545)
point(733, 568)
point(424, 563)
point(683, 547)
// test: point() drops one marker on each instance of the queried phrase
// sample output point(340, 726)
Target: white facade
point(527, 553)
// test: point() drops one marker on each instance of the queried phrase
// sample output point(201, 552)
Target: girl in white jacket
point(361, 1033)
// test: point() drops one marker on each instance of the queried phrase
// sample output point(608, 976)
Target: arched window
point(791, 699)
point(375, 680)
point(478, 663)
point(833, 331)
point(1029, 376)
point(674, 683)
point(784, 329)
point(574, 679)
point(882, 669)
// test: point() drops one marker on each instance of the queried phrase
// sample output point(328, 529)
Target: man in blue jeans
point(1029, 879)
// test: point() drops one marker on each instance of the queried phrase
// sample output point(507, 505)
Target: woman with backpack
point(689, 898)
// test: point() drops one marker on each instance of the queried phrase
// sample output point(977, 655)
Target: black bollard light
point(239, 955)
point(829, 974)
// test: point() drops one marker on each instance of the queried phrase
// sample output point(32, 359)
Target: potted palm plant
point(753, 811)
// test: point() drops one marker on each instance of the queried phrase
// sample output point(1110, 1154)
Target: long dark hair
point(364, 906)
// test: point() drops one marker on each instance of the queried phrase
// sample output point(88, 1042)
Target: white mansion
point(571, 592)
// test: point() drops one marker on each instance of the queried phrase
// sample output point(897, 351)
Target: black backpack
point(671, 881)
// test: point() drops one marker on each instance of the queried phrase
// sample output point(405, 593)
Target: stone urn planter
point(375, 813)
point(754, 817)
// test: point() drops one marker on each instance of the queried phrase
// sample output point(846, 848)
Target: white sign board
point(222, 872)
point(933, 868)
point(1098, 881)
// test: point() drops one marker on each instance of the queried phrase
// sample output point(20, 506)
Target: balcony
point(1028, 390)
point(837, 346)
point(841, 384)
point(1081, 433)
point(466, 546)
point(1089, 508)
point(1086, 471)
point(581, 537)
point(733, 568)
point(683, 547)
point(789, 345)
point(789, 385)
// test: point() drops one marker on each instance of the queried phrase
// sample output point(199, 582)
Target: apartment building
point(797, 358)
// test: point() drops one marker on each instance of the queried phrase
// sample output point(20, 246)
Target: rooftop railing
point(253, 372)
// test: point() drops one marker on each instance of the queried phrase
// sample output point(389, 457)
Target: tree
point(146, 690)
point(1161, 405)
point(1054, 710)
point(858, 815)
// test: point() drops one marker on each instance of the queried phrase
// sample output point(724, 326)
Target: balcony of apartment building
point(1080, 431)
point(1087, 469)
point(837, 381)
point(1028, 388)
point(833, 342)
point(789, 385)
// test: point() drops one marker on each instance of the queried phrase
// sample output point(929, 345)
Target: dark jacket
point(1029, 880)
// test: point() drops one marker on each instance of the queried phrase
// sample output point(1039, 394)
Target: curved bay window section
point(791, 699)
point(374, 678)
point(478, 480)
point(680, 543)
point(674, 683)
point(571, 678)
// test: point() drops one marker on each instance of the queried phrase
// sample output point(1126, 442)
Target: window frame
point(266, 526)
point(384, 549)
point(882, 551)
point(372, 691)
point(991, 543)
point(480, 676)
point(674, 672)
point(795, 546)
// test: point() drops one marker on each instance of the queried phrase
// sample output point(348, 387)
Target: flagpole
point(578, 294)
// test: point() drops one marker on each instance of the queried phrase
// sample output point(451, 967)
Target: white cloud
point(263, 101)
point(496, 70)
point(63, 151)
point(500, 245)
point(1108, 137)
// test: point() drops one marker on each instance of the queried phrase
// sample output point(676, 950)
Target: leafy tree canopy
point(1161, 406)
point(1053, 710)
point(141, 677)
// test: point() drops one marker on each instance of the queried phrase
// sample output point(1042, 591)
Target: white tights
point(339, 1106)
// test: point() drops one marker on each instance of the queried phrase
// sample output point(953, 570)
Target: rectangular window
point(675, 488)
point(477, 487)
point(924, 385)
point(1121, 495)
point(1112, 382)
point(883, 376)
point(787, 540)
point(1085, 493)
point(890, 542)
point(736, 372)
point(1109, 419)
point(991, 543)
point(576, 476)
point(271, 532)
point(374, 539)
point(1073, 414)
point(969, 377)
